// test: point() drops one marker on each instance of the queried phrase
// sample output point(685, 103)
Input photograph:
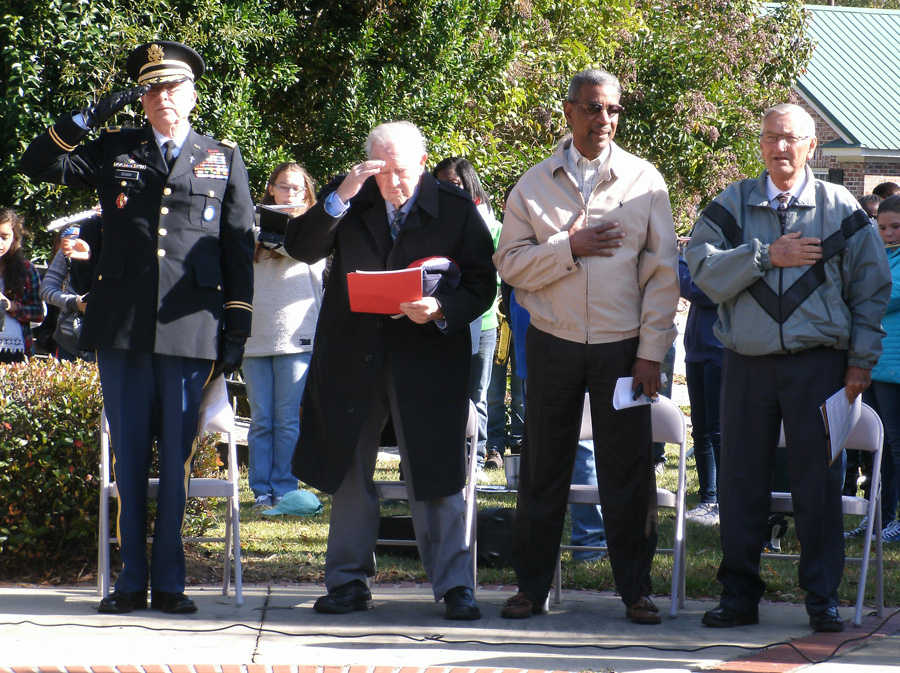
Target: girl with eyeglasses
point(287, 295)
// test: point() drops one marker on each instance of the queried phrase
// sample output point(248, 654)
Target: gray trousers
point(355, 512)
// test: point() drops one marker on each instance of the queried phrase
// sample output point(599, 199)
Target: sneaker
point(494, 461)
point(775, 531)
point(262, 502)
point(859, 530)
point(891, 533)
point(706, 514)
point(660, 467)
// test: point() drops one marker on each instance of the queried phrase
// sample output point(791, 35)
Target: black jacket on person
point(176, 269)
point(430, 367)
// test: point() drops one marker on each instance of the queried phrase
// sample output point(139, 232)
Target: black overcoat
point(430, 366)
point(176, 266)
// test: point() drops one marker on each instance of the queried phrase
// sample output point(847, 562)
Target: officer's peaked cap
point(164, 62)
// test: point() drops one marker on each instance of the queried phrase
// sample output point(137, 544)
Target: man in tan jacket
point(589, 245)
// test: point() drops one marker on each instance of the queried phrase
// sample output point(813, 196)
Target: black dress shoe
point(172, 602)
point(346, 598)
point(826, 621)
point(122, 602)
point(459, 603)
point(724, 617)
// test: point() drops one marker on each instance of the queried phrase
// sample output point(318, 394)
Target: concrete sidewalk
point(277, 630)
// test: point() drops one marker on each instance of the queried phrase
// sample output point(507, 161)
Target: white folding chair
point(396, 490)
point(669, 426)
point(867, 435)
point(215, 416)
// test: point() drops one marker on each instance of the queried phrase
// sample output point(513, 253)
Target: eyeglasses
point(595, 109)
point(285, 188)
point(773, 138)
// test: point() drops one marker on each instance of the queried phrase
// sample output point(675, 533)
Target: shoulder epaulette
point(112, 129)
point(228, 143)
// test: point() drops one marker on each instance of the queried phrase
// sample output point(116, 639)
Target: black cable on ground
point(439, 638)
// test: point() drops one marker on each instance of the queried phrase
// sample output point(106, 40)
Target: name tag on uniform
point(127, 175)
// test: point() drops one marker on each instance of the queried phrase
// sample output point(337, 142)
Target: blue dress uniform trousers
point(151, 396)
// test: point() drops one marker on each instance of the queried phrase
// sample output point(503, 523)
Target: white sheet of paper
point(840, 418)
point(623, 397)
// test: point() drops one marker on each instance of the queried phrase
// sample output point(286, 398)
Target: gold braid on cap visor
point(157, 72)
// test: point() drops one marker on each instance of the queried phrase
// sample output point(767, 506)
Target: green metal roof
point(853, 78)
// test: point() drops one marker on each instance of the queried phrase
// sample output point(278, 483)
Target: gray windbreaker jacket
point(837, 302)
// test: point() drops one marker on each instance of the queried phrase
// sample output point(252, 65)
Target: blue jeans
point(497, 438)
point(587, 520)
point(885, 399)
point(274, 390)
point(480, 379)
point(704, 381)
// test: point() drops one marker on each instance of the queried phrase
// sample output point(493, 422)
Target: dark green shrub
point(49, 458)
point(49, 466)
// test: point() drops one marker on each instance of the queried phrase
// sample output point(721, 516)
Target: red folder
point(382, 291)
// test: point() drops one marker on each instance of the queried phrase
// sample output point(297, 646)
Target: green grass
point(292, 549)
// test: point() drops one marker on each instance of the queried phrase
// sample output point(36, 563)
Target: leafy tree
point(697, 77)
point(307, 79)
point(59, 55)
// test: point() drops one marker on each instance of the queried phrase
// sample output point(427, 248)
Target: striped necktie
point(784, 200)
point(397, 219)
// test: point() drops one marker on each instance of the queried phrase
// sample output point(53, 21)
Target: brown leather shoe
point(519, 607)
point(643, 611)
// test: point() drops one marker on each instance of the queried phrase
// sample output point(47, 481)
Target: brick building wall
point(860, 177)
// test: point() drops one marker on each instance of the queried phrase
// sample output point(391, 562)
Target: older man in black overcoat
point(383, 215)
point(171, 295)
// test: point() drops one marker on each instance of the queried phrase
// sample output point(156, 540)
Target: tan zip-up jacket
point(594, 299)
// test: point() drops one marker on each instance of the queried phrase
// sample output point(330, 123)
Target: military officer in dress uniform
point(171, 298)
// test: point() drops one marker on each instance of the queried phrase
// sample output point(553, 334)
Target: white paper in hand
point(623, 397)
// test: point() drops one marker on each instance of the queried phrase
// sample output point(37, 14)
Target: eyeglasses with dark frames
point(596, 109)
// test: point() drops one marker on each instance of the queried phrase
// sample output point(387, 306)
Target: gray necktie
point(170, 153)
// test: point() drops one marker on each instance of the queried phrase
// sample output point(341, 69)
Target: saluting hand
point(356, 177)
point(103, 110)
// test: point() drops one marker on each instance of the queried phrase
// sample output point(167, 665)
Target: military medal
point(121, 200)
point(213, 166)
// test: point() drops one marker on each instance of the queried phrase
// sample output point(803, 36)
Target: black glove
point(231, 353)
point(103, 110)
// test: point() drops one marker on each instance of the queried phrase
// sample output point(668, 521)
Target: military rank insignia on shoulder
point(112, 129)
point(228, 143)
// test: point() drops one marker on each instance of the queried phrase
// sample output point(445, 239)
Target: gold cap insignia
point(155, 53)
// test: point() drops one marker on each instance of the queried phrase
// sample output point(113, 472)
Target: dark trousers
point(884, 397)
point(704, 384)
point(559, 371)
point(758, 394)
point(147, 397)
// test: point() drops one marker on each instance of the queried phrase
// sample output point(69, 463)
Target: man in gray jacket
point(802, 283)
